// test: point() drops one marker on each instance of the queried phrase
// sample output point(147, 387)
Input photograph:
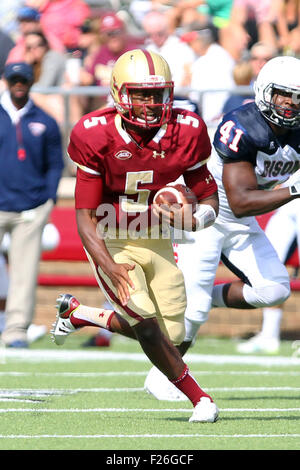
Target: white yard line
point(66, 355)
point(136, 436)
point(143, 373)
point(58, 391)
point(142, 410)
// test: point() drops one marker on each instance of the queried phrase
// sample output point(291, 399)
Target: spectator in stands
point(287, 26)
point(179, 56)
point(242, 75)
point(89, 44)
point(8, 17)
point(6, 45)
point(260, 53)
point(32, 150)
point(283, 231)
point(89, 41)
point(62, 19)
point(212, 70)
point(235, 41)
point(49, 71)
point(29, 21)
point(138, 9)
point(114, 42)
point(257, 18)
point(185, 12)
point(48, 64)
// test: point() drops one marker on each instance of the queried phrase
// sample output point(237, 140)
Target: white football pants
point(245, 247)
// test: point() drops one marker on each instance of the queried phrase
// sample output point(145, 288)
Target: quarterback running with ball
point(124, 155)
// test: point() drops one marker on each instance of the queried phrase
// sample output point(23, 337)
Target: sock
point(91, 316)
point(188, 385)
point(271, 322)
point(217, 296)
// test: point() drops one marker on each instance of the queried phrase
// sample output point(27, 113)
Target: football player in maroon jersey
point(124, 155)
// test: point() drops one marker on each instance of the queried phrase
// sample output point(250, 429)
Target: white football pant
point(250, 254)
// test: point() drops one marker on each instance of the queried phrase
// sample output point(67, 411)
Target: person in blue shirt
point(31, 166)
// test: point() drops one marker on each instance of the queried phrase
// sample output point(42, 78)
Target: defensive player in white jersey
point(124, 155)
point(256, 148)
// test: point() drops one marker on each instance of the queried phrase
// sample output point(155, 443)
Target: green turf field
point(93, 399)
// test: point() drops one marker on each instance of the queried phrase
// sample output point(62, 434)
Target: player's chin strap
point(205, 216)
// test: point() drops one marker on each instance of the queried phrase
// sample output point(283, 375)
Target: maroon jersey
point(113, 170)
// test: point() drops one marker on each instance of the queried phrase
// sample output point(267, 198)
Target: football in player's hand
point(175, 194)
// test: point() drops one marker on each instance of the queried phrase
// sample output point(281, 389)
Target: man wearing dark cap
point(32, 163)
point(115, 41)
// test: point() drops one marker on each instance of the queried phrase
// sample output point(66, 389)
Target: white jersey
point(240, 243)
point(244, 135)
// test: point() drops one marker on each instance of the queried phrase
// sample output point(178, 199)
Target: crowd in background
point(213, 44)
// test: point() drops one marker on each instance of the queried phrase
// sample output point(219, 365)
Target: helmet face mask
point(145, 112)
point(283, 116)
point(138, 79)
point(279, 101)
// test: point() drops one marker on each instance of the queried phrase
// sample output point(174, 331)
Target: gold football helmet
point(142, 71)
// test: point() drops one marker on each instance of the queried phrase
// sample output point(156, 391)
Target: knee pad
point(267, 295)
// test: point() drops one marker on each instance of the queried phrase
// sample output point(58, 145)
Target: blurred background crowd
point(209, 44)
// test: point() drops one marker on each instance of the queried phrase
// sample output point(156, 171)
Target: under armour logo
point(157, 154)
point(208, 179)
point(101, 314)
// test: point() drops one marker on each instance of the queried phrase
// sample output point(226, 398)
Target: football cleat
point(206, 411)
point(259, 344)
point(62, 327)
point(158, 385)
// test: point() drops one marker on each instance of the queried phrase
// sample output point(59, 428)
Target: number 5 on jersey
point(225, 132)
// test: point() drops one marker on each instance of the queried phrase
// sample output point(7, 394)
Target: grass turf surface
point(74, 398)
